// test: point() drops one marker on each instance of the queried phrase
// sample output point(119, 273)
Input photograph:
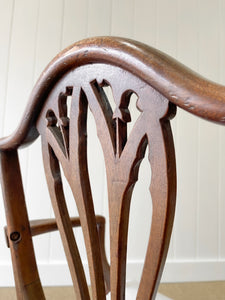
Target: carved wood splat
point(66, 136)
point(57, 110)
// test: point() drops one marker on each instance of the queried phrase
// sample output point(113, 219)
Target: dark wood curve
point(57, 111)
point(172, 79)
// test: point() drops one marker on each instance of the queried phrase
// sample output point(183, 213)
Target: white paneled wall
point(193, 31)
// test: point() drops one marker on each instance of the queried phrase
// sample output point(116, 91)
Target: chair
point(81, 72)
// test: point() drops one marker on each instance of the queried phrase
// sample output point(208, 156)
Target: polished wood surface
point(24, 264)
point(57, 112)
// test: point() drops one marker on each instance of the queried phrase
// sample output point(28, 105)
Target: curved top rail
point(176, 82)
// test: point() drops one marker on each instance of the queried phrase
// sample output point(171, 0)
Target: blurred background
point(32, 32)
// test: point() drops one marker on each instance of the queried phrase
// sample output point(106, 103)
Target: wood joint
point(15, 237)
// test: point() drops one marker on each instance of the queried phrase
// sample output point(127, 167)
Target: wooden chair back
point(57, 112)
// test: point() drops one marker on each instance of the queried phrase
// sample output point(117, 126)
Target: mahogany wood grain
point(24, 264)
point(80, 73)
point(42, 226)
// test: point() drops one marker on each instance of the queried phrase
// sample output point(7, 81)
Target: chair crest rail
point(177, 83)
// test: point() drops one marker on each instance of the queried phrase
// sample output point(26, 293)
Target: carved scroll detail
point(67, 136)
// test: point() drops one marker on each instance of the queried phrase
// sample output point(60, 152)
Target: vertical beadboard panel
point(99, 17)
point(145, 21)
point(74, 21)
point(166, 26)
point(221, 205)
point(221, 190)
point(49, 38)
point(6, 22)
point(20, 71)
point(187, 140)
point(208, 159)
point(122, 23)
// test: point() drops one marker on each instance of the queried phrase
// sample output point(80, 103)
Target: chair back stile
point(28, 285)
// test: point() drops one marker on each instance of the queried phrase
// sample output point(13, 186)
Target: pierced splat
point(120, 115)
point(123, 155)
